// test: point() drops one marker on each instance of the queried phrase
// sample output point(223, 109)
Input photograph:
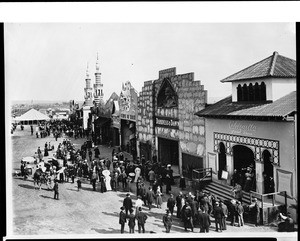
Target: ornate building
point(167, 128)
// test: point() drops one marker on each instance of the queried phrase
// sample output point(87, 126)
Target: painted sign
point(128, 117)
point(167, 122)
point(237, 127)
point(285, 182)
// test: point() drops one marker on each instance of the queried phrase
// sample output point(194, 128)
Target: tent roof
point(32, 114)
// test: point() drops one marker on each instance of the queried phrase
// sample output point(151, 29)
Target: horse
point(39, 178)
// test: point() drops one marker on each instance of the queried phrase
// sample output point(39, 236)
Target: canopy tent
point(31, 117)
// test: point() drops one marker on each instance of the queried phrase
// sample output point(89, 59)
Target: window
point(252, 93)
point(239, 93)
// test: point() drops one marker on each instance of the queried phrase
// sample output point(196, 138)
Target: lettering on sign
point(128, 117)
point(170, 123)
point(238, 128)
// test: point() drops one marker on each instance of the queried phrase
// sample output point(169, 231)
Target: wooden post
point(285, 201)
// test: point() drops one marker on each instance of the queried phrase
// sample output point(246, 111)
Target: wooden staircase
point(223, 191)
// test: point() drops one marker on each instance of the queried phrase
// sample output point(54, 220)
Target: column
point(138, 149)
point(180, 158)
point(230, 167)
point(259, 177)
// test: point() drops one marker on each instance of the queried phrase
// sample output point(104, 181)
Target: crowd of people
point(152, 180)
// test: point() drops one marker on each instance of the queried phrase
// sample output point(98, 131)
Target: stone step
point(224, 191)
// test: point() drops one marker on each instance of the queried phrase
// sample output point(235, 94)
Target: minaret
point(98, 87)
point(88, 90)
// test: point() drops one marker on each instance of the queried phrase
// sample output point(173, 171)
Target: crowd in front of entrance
point(192, 209)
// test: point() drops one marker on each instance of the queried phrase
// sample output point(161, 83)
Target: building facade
point(127, 118)
point(167, 129)
point(256, 126)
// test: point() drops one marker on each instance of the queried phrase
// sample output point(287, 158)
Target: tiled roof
point(279, 108)
point(276, 66)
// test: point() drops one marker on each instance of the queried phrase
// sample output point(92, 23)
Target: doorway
point(222, 160)
point(268, 167)
point(168, 152)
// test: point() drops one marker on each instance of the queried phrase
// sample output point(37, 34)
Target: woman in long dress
point(158, 198)
point(107, 179)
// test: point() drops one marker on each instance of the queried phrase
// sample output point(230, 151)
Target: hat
point(217, 203)
point(122, 208)
point(168, 165)
point(255, 199)
point(167, 210)
point(128, 194)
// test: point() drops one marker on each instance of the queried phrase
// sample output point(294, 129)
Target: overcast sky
point(48, 61)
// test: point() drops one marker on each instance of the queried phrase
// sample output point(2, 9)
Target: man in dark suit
point(204, 220)
point(218, 214)
point(131, 221)
point(141, 218)
point(150, 197)
point(122, 219)
point(179, 204)
point(225, 211)
point(127, 203)
point(171, 203)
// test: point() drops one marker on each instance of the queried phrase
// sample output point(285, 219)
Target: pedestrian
point(188, 218)
point(171, 203)
point(179, 204)
point(141, 218)
point(143, 193)
point(150, 197)
point(255, 211)
point(232, 208)
point(204, 220)
point(151, 175)
point(138, 203)
point(127, 203)
point(168, 183)
point(122, 219)
point(131, 221)
point(158, 198)
point(194, 207)
point(182, 184)
point(93, 180)
point(240, 213)
point(78, 184)
point(167, 220)
point(31, 129)
point(225, 212)
point(218, 215)
point(238, 192)
point(55, 189)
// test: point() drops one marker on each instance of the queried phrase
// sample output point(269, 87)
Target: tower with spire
point(98, 86)
point(88, 90)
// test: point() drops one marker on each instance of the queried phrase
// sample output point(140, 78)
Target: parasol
point(131, 174)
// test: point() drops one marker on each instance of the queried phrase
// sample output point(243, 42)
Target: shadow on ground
point(115, 214)
point(46, 196)
point(110, 230)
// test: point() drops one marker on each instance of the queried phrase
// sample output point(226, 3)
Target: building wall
point(284, 132)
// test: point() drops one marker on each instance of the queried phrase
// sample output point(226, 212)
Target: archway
point(268, 167)
point(243, 157)
point(222, 160)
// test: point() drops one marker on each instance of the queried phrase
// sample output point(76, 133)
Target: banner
point(285, 182)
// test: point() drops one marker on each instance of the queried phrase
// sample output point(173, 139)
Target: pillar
point(138, 149)
point(259, 177)
point(180, 158)
point(230, 167)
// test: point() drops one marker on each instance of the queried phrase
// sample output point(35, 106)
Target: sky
point(48, 61)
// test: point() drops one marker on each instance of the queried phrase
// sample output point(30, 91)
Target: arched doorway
point(243, 157)
point(268, 173)
point(268, 167)
point(222, 160)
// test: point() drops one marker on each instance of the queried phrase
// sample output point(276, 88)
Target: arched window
point(239, 93)
point(256, 92)
point(263, 95)
point(251, 92)
point(245, 93)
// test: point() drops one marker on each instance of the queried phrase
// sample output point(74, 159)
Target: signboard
point(212, 162)
point(224, 175)
point(128, 117)
point(285, 182)
point(167, 122)
point(237, 127)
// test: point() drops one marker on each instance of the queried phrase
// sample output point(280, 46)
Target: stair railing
point(199, 175)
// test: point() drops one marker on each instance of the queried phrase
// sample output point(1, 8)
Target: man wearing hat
point(167, 220)
point(141, 218)
point(240, 214)
point(188, 218)
point(122, 218)
point(255, 210)
point(131, 221)
point(218, 214)
point(171, 203)
point(127, 203)
point(225, 211)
